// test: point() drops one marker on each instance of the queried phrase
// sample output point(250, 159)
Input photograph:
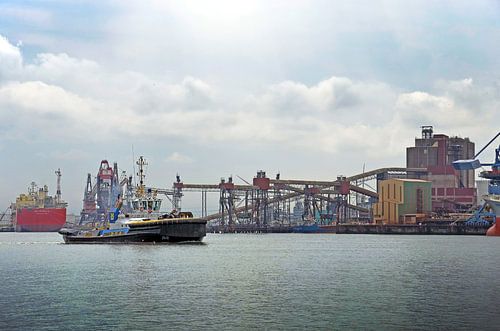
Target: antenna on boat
point(141, 163)
point(58, 192)
point(133, 164)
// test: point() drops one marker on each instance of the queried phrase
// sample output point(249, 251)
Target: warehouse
point(402, 201)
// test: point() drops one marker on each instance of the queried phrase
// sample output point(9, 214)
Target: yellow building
point(402, 201)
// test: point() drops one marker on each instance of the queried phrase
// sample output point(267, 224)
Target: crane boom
point(486, 146)
point(473, 163)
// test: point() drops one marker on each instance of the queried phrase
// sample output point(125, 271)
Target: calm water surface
point(271, 281)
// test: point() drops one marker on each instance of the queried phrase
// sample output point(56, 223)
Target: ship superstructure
point(109, 188)
point(143, 200)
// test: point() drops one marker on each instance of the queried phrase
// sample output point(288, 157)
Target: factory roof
point(411, 180)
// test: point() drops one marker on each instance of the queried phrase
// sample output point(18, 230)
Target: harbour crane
point(493, 197)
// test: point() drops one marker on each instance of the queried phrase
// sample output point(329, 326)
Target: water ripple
point(283, 281)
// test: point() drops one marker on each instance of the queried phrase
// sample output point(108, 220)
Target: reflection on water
point(282, 281)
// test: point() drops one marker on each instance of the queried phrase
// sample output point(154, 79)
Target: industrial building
point(452, 190)
point(402, 201)
point(427, 188)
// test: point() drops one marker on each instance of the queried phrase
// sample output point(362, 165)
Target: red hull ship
point(40, 219)
point(39, 212)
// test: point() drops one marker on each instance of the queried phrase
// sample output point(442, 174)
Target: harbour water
point(250, 281)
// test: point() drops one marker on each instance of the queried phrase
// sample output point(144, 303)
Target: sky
point(209, 89)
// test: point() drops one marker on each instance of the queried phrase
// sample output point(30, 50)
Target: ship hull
point(153, 232)
point(40, 219)
point(494, 203)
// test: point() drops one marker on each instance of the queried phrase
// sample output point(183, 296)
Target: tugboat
point(141, 222)
point(173, 227)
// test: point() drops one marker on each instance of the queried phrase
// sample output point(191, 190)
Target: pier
point(403, 229)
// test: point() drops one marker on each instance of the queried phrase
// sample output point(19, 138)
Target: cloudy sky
point(208, 89)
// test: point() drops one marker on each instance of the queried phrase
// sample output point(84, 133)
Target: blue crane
point(474, 163)
point(483, 216)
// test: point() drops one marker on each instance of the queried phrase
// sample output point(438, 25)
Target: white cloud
point(337, 98)
point(177, 157)
point(62, 97)
point(35, 109)
point(10, 59)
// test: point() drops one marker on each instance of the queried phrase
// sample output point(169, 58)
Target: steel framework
point(268, 202)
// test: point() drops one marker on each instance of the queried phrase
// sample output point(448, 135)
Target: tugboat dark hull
point(144, 232)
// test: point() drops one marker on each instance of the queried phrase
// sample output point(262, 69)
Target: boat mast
point(58, 192)
point(141, 163)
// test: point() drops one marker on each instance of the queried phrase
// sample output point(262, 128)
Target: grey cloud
point(155, 96)
point(333, 115)
point(338, 99)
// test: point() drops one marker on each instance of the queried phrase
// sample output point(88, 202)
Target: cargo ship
point(39, 212)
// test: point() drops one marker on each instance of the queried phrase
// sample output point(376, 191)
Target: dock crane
point(493, 175)
point(9, 222)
